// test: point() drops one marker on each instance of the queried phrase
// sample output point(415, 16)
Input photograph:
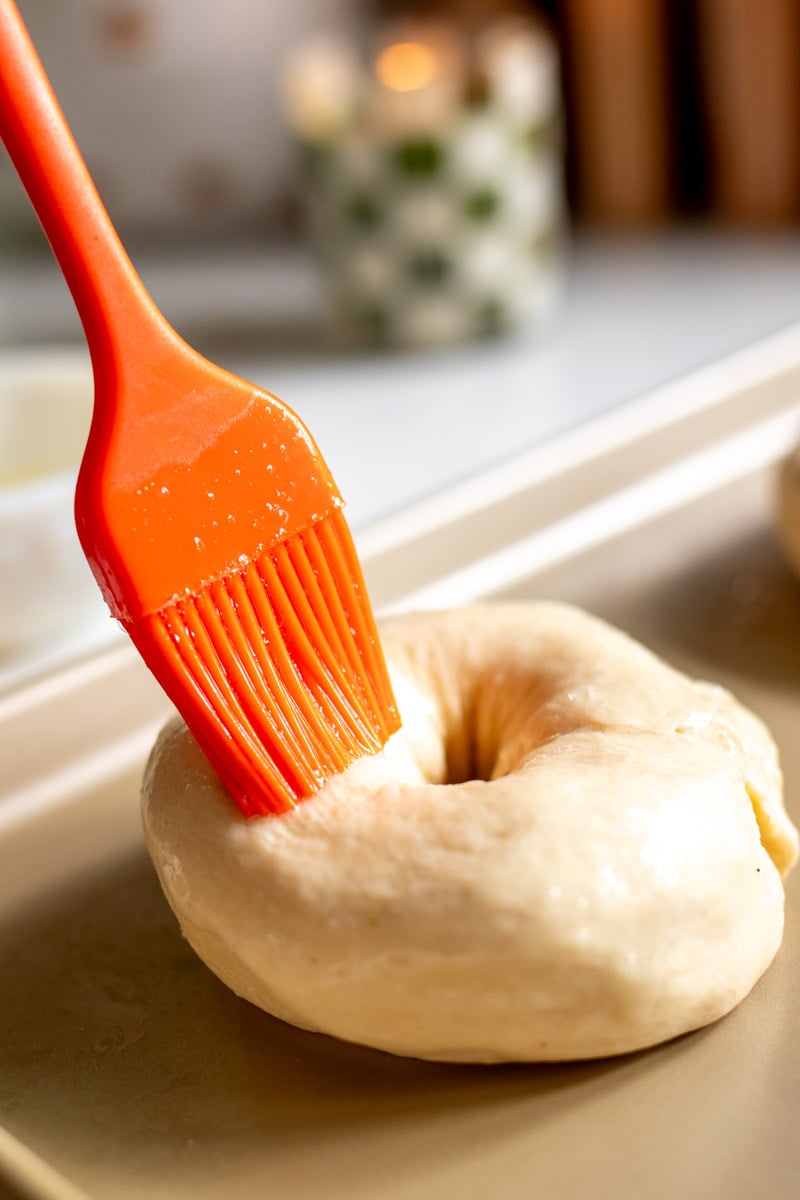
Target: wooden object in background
point(618, 89)
point(750, 63)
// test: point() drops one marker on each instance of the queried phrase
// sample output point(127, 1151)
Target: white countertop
point(638, 312)
point(395, 429)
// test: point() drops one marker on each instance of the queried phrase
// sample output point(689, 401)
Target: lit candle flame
point(406, 66)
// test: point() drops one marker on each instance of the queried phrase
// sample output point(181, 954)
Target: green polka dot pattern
point(431, 240)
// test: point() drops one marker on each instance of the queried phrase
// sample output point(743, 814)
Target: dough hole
point(502, 715)
point(465, 759)
point(477, 745)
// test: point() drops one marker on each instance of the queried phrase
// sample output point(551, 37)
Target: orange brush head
point(277, 669)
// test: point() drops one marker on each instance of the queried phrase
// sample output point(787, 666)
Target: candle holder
point(433, 173)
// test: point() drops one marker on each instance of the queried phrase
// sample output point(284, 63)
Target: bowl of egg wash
point(47, 591)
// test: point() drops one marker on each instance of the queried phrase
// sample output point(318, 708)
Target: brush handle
point(111, 299)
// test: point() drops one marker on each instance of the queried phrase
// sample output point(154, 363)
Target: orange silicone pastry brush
point(210, 521)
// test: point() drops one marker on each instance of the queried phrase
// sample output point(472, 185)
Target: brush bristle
point(277, 669)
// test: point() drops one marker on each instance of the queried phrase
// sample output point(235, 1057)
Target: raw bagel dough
point(569, 850)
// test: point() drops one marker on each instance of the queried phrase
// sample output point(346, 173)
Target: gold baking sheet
point(128, 1071)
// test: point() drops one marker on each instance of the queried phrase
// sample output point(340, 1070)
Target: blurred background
point(673, 109)
point(443, 232)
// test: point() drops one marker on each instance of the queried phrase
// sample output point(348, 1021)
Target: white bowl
point(46, 587)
